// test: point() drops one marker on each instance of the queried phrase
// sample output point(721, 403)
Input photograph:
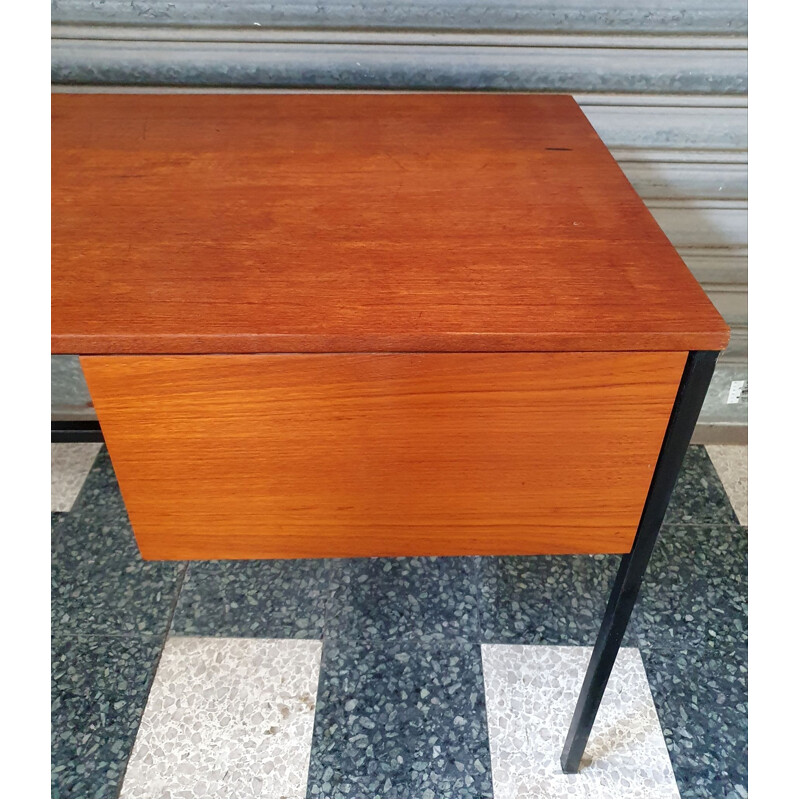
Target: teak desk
point(377, 325)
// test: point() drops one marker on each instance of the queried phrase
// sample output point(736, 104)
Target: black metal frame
point(75, 431)
point(685, 411)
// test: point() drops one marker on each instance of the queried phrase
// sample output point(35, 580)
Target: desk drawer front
point(280, 456)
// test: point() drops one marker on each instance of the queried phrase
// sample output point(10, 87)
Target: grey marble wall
point(69, 395)
point(655, 16)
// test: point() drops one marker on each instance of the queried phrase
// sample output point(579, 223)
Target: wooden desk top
point(354, 222)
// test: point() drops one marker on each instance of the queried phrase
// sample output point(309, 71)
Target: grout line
point(127, 635)
point(332, 575)
point(171, 614)
point(486, 719)
point(477, 568)
point(316, 715)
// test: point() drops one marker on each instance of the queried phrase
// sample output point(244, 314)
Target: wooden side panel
point(292, 456)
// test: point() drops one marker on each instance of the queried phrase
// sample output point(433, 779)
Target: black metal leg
point(688, 402)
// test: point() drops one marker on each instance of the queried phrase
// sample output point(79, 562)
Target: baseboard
point(719, 434)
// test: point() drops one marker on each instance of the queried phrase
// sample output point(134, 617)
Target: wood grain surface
point(284, 456)
point(354, 222)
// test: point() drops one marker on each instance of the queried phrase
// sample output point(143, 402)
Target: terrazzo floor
point(392, 677)
point(531, 693)
point(69, 464)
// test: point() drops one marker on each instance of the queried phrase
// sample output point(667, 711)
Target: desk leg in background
point(688, 402)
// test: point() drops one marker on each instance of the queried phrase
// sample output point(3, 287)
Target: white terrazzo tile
point(531, 691)
point(730, 462)
point(69, 466)
point(227, 718)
